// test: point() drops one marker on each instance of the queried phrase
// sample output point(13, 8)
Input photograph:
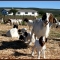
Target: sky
point(37, 4)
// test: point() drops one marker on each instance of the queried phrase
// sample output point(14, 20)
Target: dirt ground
point(13, 48)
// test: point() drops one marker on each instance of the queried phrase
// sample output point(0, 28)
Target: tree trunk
point(14, 16)
point(4, 19)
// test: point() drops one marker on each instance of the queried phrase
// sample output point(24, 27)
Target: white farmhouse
point(24, 12)
point(27, 12)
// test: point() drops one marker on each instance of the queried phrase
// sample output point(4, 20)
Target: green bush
point(23, 23)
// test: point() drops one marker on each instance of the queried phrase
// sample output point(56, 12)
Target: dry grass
point(12, 48)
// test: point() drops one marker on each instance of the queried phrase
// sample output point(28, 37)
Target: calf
point(29, 22)
point(13, 32)
point(26, 36)
point(40, 46)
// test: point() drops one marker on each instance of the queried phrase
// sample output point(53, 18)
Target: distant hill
point(54, 11)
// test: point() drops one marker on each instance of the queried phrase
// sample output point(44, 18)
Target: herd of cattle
point(38, 34)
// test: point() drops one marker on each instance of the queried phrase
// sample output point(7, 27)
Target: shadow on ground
point(20, 54)
point(57, 39)
point(13, 45)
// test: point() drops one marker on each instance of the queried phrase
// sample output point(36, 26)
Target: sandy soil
point(13, 48)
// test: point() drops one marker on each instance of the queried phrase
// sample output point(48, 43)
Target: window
point(26, 12)
point(32, 12)
point(18, 12)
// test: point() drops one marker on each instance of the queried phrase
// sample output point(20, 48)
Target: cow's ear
point(51, 18)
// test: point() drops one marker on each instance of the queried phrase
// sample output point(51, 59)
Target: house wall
point(10, 13)
point(23, 13)
point(29, 13)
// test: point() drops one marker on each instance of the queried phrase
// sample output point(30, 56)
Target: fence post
point(23, 17)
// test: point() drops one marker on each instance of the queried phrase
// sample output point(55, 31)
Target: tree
point(41, 12)
point(13, 11)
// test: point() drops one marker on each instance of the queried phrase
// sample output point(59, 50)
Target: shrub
point(23, 23)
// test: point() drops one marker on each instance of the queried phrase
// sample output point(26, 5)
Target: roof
point(23, 10)
point(7, 9)
point(27, 10)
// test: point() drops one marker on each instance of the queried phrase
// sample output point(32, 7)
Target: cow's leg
point(33, 51)
point(38, 51)
point(31, 38)
point(43, 54)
